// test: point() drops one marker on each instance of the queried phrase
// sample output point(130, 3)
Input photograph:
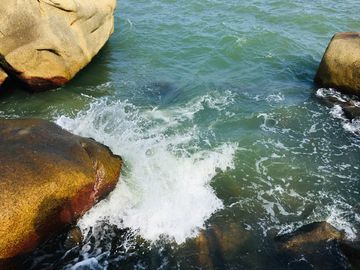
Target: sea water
point(212, 106)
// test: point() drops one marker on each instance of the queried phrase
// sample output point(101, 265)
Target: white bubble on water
point(164, 187)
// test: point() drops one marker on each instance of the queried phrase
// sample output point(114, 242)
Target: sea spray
point(164, 188)
point(337, 111)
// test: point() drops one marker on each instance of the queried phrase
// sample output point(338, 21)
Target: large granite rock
point(49, 178)
point(340, 65)
point(44, 43)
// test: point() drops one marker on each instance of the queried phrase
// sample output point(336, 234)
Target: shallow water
point(213, 108)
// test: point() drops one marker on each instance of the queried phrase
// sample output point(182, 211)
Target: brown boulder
point(222, 240)
point(309, 238)
point(340, 65)
point(49, 178)
point(44, 43)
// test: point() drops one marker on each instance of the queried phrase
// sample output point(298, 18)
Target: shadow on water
point(161, 93)
point(97, 72)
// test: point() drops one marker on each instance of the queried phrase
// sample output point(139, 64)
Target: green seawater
point(225, 139)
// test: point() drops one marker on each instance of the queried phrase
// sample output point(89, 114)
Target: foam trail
point(164, 187)
point(337, 111)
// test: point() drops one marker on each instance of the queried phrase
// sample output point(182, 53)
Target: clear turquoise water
point(213, 108)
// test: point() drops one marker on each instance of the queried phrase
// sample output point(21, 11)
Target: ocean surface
point(225, 138)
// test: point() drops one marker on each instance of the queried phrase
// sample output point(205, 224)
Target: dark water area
point(226, 140)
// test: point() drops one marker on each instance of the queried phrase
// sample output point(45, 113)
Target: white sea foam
point(337, 111)
point(353, 126)
point(330, 92)
point(275, 98)
point(164, 187)
point(338, 213)
point(91, 263)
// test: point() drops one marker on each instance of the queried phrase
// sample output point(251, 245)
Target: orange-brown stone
point(49, 178)
point(45, 43)
point(3, 76)
point(309, 238)
point(340, 65)
point(225, 238)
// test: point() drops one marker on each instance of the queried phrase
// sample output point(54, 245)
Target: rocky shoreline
point(51, 177)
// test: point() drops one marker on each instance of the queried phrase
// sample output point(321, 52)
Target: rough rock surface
point(49, 178)
point(309, 238)
point(44, 43)
point(350, 110)
point(220, 238)
point(3, 76)
point(340, 65)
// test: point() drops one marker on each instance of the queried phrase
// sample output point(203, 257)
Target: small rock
point(351, 112)
point(220, 243)
point(73, 238)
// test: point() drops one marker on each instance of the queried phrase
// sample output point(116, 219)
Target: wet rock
point(352, 252)
point(49, 178)
point(313, 246)
point(44, 43)
point(308, 238)
point(73, 237)
point(340, 65)
point(351, 112)
point(204, 259)
point(3, 76)
point(331, 101)
point(219, 244)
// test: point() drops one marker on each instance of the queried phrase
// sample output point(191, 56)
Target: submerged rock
point(340, 65)
point(49, 178)
point(73, 237)
point(313, 246)
point(331, 101)
point(351, 111)
point(309, 238)
point(219, 244)
point(44, 43)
